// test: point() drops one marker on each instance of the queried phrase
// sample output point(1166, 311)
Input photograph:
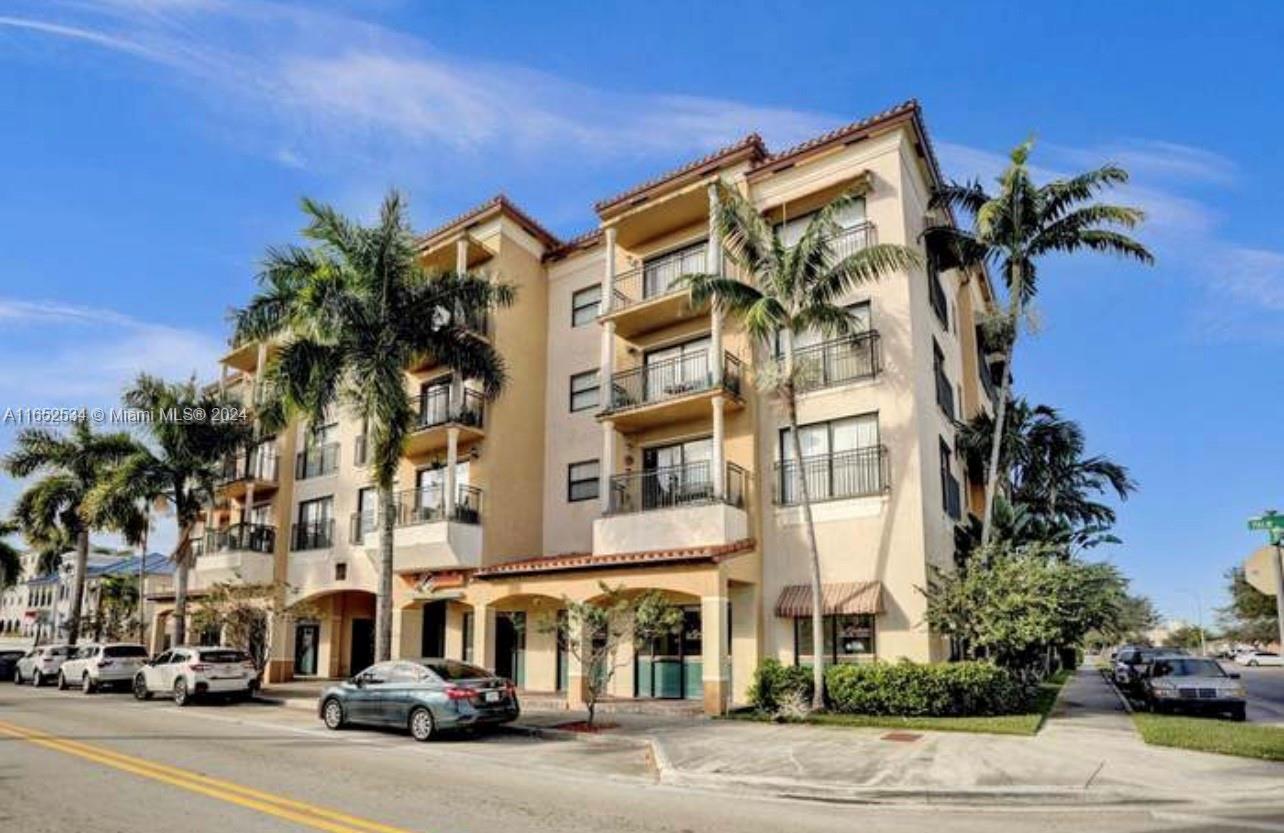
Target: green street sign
point(1266, 522)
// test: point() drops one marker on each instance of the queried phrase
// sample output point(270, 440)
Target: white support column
point(713, 264)
point(715, 670)
point(484, 635)
point(452, 461)
point(608, 275)
point(606, 466)
point(247, 506)
point(222, 379)
point(719, 453)
point(461, 254)
point(607, 368)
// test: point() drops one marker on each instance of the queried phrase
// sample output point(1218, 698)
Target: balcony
point(670, 390)
point(839, 361)
point(316, 461)
point(861, 472)
point(240, 552)
point(478, 321)
point(652, 296)
point(673, 507)
point(312, 535)
point(436, 414)
point(257, 467)
point(426, 536)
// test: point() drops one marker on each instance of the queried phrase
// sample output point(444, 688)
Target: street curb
point(1122, 698)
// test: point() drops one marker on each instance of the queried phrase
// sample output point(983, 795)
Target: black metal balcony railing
point(953, 498)
point(689, 484)
point(849, 241)
point(944, 393)
point(312, 535)
point(420, 506)
point(671, 379)
point(433, 407)
point(835, 362)
point(241, 537)
point(316, 461)
point(844, 474)
point(658, 277)
point(259, 464)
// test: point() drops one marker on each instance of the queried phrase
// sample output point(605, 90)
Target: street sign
point(1266, 522)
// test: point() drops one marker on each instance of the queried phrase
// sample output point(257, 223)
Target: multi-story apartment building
point(631, 448)
point(42, 604)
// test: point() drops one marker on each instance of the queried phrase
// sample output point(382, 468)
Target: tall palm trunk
point(1001, 412)
point(383, 601)
point(142, 583)
point(180, 601)
point(813, 551)
point(78, 586)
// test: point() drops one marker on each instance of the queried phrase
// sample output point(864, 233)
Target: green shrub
point(775, 685)
point(935, 690)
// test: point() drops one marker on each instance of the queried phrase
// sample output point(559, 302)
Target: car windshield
point(450, 670)
point(59, 652)
point(1188, 668)
point(223, 656)
point(125, 651)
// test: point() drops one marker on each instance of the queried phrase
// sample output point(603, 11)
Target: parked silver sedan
point(423, 695)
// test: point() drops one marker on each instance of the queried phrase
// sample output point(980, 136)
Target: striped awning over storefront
point(849, 597)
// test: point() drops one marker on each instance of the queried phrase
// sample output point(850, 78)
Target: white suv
point(95, 666)
point(190, 672)
point(41, 665)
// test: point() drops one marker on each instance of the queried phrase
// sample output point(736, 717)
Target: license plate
point(491, 697)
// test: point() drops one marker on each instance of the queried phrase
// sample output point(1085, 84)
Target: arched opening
point(333, 633)
point(528, 647)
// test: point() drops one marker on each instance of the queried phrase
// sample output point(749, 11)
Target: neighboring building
point(48, 597)
point(14, 601)
point(630, 447)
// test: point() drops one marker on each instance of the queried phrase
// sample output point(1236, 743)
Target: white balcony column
point(719, 454)
point(607, 361)
point(222, 379)
point(608, 274)
point(248, 505)
point(713, 264)
point(260, 360)
point(461, 254)
point(606, 466)
point(452, 461)
point(715, 670)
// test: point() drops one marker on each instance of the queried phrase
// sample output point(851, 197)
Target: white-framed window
point(584, 390)
point(585, 304)
point(582, 480)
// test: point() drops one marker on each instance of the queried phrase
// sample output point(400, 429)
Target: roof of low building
point(588, 561)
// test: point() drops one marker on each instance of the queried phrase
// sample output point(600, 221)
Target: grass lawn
point(1206, 734)
point(1008, 724)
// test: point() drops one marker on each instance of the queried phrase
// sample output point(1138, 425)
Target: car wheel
point(1252, 663)
point(87, 684)
point(17, 676)
point(421, 724)
point(181, 695)
point(62, 681)
point(140, 689)
point(332, 714)
point(38, 679)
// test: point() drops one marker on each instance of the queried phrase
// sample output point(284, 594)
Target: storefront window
point(846, 638)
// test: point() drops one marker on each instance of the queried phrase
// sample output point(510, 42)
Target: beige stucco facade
point(568, 495)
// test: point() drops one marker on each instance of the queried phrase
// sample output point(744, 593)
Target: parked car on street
point(1180, 683)
point(187, 673)
point(1256, 658)
point(9, 662)
point(1130, 666)
point(424, 696)
point(96, 666)
point(41, 665)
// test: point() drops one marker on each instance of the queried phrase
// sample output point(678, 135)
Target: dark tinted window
point(449, 670)
point(223, 656)
point(125, 651)
point(11, 654)
point(1191, 668)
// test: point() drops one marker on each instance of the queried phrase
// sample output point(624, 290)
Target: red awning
point(850, 597)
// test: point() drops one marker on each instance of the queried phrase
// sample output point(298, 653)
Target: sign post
point(1272, 523)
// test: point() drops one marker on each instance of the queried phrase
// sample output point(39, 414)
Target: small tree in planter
point(594, 632)
point(243, 614)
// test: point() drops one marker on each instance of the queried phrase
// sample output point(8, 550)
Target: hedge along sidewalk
point(1027, 723)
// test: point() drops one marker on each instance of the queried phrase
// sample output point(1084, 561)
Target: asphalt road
point(1265, 690)
point(106, 762)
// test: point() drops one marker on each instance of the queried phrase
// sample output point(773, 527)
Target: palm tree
point(51, 509)
point(352, 313)
point(787, 291)
point(177, 466)
point(10, 557)
point(1012, 230)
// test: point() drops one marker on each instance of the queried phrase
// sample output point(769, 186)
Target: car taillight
point(199, 666)
point(454, 692)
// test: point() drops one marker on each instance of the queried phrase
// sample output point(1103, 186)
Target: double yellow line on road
point(309, 815)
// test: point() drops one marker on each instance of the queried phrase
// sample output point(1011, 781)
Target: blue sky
point(151, 150)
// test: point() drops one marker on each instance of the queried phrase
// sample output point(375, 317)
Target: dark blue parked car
point(422, 695)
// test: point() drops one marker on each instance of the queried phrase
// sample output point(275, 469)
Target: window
point(950, 498)
point(585, 304)
point(581, 481)
point(316, 524)
point(584, 390)
point(840, 458)
point(791, 230)
point(936, 295)
point(944, 388)
point(847, 638)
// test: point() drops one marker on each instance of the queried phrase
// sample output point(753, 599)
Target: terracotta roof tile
point(584, 561)
point(838, 134)
point(502, 202)
point(585, 240)
point(752, 142)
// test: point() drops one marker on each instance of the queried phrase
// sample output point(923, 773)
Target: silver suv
point(96, 666)
point(41, 665)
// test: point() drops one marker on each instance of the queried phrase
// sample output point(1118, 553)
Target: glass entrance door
point(306, 638)
point(670, 667)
